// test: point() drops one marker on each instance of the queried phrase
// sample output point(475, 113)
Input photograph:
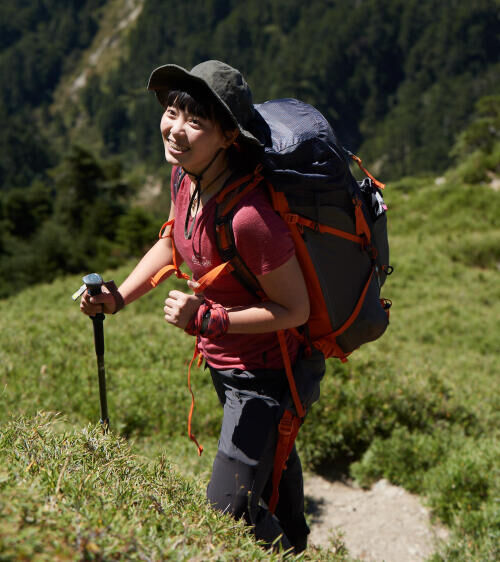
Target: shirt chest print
point(201, 261)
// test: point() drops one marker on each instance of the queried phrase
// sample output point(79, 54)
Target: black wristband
point(204, 322)
point(115, 293)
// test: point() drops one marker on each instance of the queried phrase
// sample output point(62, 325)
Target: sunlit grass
point(430, 385)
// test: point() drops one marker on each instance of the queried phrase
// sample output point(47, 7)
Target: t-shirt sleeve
point(262, 238)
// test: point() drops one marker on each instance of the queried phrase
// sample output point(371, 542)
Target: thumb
point(193, 285)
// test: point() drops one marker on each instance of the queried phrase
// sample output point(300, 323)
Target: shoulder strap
point(226, 202)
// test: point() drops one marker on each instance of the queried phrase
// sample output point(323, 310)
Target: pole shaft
point(97, 322)
point(102, 392)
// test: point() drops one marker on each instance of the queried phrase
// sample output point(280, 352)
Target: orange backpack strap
point(288, 427)
point(212, 275)
point(287, 432)
point(328, 344)
point(167, 271)
point(359, 162)
point(289, 375)
point(291, 218)
point(196, 354)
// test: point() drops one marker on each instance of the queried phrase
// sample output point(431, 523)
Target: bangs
point(185, 102)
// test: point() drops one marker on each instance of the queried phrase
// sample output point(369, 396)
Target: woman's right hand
point(103, 302)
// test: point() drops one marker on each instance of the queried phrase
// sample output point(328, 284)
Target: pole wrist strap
point(115, 293)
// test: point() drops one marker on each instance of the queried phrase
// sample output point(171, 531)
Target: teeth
point(177, 146)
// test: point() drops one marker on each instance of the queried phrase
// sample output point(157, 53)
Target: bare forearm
point(138, 282)
point(266, 317)
point(287, 307)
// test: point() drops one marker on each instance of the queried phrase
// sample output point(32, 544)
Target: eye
point(171, 112)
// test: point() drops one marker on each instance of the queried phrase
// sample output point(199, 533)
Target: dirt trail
point(384, 524)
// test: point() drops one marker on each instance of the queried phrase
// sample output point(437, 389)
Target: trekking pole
point(93, 283)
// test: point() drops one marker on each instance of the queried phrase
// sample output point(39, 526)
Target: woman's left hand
point(181, 307)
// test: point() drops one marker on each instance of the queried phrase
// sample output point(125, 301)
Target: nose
point(174, 127)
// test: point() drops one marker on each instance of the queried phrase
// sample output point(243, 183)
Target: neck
point(209, 178)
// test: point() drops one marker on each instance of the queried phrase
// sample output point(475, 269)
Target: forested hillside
point(398, 79)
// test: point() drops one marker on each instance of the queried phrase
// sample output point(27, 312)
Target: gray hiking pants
point(242, 471)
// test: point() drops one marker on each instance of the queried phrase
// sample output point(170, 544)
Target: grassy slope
point(431, 382)
point(83, 495)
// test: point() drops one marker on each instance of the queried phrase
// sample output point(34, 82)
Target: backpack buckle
point(291, 218)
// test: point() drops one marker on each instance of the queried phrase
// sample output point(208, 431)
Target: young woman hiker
point(205, 127)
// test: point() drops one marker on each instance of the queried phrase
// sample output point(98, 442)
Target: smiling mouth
point(177, 147)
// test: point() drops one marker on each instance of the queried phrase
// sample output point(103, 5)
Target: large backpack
point(339, 228)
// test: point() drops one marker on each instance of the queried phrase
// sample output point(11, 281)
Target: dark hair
point(198, 108)
point(243, 156)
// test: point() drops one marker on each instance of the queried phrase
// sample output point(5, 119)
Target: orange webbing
point(223, 233)
point(191, 409)
point(203, 283)
point(257, 178)
point(362, 228)
point(207, 279)
point(287, 432)
point(166, 271)
point(289, 374)
point(328, 344)
point(357, 308)
point(280, 202)
point(319, 321)
point(163, 228)
point(330, 348)
point(359, 162)
point(256, 173)
point(288, 427)
point(221, 196)
point(291, 218)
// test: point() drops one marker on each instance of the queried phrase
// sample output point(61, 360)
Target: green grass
point(81, 495)
point(420, 406)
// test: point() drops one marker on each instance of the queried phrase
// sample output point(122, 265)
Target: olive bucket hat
point(221, 83)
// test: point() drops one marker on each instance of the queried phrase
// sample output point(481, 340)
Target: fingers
point(174, 305)
point(103, 302)
point(180, 307)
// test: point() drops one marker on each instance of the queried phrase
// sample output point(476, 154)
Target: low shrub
point(366, 404)
point(402, 458)
point(465, 481)
point(464, 492)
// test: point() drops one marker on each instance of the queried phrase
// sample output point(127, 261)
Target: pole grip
point(94, 283)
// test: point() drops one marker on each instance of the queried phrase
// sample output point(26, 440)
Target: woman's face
point(191, 142)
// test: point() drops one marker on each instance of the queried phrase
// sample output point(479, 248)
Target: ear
point(230, 137)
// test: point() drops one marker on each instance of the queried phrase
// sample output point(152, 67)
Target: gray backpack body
point(339, 226)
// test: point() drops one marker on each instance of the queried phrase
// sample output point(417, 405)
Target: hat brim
point(173, 77)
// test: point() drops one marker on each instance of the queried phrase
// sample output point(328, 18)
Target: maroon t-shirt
point(265, 243)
